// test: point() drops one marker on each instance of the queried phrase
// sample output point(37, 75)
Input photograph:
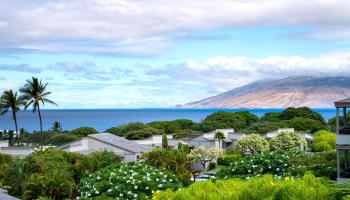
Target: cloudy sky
point(156, 53)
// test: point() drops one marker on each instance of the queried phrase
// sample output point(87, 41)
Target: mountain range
point(296, 91)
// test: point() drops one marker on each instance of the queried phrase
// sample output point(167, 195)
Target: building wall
point(4, 143)
point(153, 140)
point(16, 151)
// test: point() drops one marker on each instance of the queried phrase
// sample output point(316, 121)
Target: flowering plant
point(275, 163)
point(127, 181)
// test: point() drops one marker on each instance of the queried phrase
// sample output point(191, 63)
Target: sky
point(156, 53)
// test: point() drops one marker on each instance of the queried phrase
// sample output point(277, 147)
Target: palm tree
point(34, 91)
point(10, 100)
point(219, 136)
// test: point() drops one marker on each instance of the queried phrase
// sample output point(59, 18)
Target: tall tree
point(219, 136)
point(11, 101)
point(34, 91)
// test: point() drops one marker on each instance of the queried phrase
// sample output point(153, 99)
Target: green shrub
point(61, 139)
point(142, 133)
point(134, 131)
point(323, 141)
point(305, 112)
point(305, 124)
point(40, 138)
point(127, 181)
point(276, 163)
point(51, 173)
point(173, 160)
point(212, 165)
point(253, 144)
point(227, 159)
point(5, 159)
point(263, 127)
point(307, 188)
point(100, 159)
point(321, 164)
point(83, 131)
point(287, 141)
point(222, 119)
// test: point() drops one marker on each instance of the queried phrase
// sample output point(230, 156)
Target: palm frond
point(49, 101)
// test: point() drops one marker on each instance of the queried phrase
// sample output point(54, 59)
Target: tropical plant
point(83, 131)
point(61, 139)
point(34, 92)
point(219, 136)
point(253, 144)
point(203, 155)
point(134, 131)
point(321, 164)
point(222, 119)
point(305, 112)
point(288, 141)
point(323, 141)
point(56, 126)
point(227, 159)
point(275, 163)
point(307, 188)
point(10, 100)
point(263, 127)
point(127, 181)
point(100, 159)
point(173, 160)
point(305, 124)
point(40, 138)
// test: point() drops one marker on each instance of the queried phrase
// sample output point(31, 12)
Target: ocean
point(102, 119)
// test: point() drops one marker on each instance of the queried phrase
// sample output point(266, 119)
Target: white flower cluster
point(127, 181)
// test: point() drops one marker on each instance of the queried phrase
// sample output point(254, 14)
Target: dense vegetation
point(51, 173)
point(280, 164)
point(323, 141)
point(54, 174)
point(127, 181)
point(266, 187)
point(173, 160)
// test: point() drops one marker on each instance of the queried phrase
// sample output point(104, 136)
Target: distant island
point(296, 91)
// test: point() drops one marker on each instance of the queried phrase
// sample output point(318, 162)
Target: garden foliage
point(288, 141)
point(323, 141)
point(252, 144)
point(127, 181)
point(266, 187)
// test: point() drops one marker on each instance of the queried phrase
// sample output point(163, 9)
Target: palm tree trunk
point(15, 119)
point(41, 123)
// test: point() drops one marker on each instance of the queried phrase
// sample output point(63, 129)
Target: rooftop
point(120, 142)
point(342, 103)
point(5, 196)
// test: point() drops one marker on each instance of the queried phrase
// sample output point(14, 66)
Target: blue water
point(104, 119)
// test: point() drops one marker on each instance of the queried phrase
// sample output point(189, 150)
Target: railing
point(344, 131)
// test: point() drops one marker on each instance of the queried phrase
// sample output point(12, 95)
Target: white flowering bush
point(127, 181)
point(275, 163)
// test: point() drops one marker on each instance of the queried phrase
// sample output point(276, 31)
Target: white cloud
point(224, 73)
point(147, 27)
